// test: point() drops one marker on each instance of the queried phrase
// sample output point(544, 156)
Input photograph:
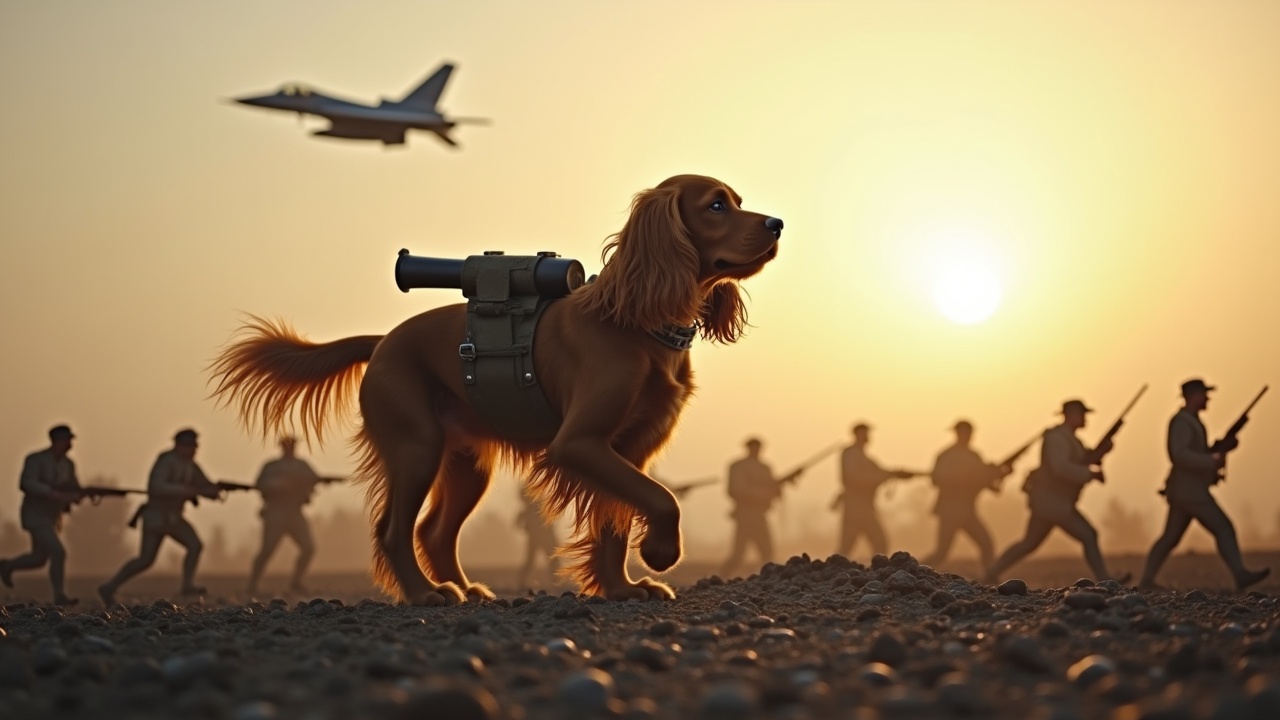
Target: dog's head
point(679, 256)
point(732, 243)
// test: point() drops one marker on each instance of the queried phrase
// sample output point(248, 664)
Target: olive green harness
point(503, 307)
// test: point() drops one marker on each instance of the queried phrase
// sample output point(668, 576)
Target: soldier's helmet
point(60, 432)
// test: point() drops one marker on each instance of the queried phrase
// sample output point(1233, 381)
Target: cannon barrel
point(427, 272)
point(544, 275)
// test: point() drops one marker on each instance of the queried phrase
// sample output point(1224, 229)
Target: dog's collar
point(675, 336)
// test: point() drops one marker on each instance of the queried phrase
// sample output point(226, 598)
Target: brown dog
point(617, 388)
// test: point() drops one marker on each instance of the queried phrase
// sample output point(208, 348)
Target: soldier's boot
point(1245, 578)
point(6, 573)
point(193, 590)
point(63, 601)
point(107, 592)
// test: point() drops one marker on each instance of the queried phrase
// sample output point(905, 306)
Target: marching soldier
point(861, 477)
point(175, 480)
point(1195, 469)
point(753, 489)
point(540, 539)
point(286, 485)
point(49, 488)
point(1053, 489)
point(961, 475)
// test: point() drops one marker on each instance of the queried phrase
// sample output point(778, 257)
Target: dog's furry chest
point(661, 400)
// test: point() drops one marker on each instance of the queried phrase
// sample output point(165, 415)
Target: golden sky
point(1115, 166)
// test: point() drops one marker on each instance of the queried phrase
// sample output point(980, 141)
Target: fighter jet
point(387, 122)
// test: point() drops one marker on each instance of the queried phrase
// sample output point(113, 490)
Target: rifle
point(223, 487)
point(1229, 441)
point(792, 476)
point(684, 488)
point(1094, 457)
point(95, 493)
point(1013, 458)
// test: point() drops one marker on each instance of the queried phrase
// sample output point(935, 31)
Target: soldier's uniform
point(540, 540)
point(1052, 492)
point(286, 485)
point(753, 489)
point(44, 473)
point(1194, 470)
point(861, 477)
point(173, 481)
point(960, 475)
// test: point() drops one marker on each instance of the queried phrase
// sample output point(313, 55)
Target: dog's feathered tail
point(273, 376)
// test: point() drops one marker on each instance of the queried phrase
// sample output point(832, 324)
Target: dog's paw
point(479, 592)
point(438, 596)
point(642, 589)
point(660, 553)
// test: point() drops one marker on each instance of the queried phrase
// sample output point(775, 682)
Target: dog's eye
point(717, 206)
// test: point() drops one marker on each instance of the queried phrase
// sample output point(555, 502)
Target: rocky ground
point(811, 638)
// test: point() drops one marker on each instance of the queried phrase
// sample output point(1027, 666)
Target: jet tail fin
point(425, 96)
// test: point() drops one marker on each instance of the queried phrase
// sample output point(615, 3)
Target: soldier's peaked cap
point(752, 441)
point(861, 427)
point(1075, 406)
point(185, 436)
point(1195, 385)
point(60, 432)
point(962, 425)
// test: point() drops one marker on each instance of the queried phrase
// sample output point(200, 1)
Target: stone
point(877, 674)
point(1012, 587)
point(586, 691)
point(1085, 601)
point(456, 701)
point(729, 701)
point(887, 649)
point(1090, 670)
point(1025, 653)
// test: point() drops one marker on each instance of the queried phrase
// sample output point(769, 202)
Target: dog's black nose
point(774, 224)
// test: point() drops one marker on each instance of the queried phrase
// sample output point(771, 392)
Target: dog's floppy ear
point(724, 316)
point(651, 278)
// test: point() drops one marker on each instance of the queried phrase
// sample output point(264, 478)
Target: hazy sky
point(1114, 166)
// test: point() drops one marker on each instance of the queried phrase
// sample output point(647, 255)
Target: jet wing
point(388, 134)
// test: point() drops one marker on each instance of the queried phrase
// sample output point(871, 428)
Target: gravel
point(804, 639)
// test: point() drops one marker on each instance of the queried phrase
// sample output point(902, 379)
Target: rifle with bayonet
point(1229, 441)
point(1094, 457)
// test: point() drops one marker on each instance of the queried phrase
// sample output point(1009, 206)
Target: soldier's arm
point(1057, 455)
point(30, 483)
point(1181, 453)
point(204, 485)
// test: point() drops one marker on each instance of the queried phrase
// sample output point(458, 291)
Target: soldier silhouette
point(175, 480)
point(861, 477)
point(286, 485)
point(961, 475)
point(49, 489)
point(1195, 469)
point(753, 490)
point(1053, 490)
point(540, 540)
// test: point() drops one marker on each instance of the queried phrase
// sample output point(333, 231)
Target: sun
point(966, 288)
